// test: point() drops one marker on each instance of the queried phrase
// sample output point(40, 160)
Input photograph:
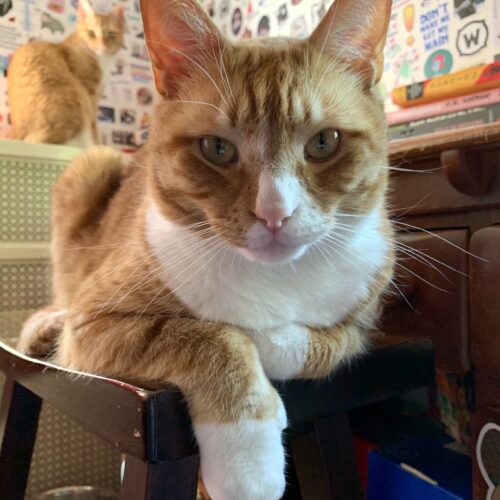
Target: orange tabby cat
point(54, 88)
point(249, 240)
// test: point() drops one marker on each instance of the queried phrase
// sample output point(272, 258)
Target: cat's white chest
point(217, 284)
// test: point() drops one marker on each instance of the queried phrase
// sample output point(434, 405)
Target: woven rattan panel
point(65, 454)
point(24, 199)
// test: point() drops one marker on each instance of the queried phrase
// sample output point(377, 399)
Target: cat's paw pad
point(243, 460)
point(283, 350)
point(40, 331)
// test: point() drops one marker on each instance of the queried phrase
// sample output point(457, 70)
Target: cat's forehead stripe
point(273, 93)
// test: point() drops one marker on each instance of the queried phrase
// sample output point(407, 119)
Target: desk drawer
point(431, 188)
point(436, 302)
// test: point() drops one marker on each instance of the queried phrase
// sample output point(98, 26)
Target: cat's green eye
point(91, 33)
point(110, 34)
point(218, 151)
point(323, 145)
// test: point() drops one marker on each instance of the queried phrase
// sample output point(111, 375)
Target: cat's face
point(102, 33)
point(269, 143)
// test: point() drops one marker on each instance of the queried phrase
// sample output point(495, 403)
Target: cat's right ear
point(85, 9)
point(355, 30)
point(179, 35)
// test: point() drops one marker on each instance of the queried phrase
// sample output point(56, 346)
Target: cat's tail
point(83, 191)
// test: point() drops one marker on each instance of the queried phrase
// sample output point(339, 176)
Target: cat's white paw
point(243, 460)
point(282, 350)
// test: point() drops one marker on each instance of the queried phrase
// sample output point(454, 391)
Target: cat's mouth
point(279, 248)
point(274, 252)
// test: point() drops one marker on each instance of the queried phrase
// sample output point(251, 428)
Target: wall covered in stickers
point(426, 37)
point(128, 91)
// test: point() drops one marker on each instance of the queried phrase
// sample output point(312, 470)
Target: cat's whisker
point(107, 274)
point(325, 38)
point(226, 74)
point(420, 278)
point(224, 79)
point(136, 269)
point(404, 297)
point(337, 238)
point(413, 170)
point(439, 237)
point(217, 244)
point(196, 63)
point(415, 253)
point(152, 274)
point(400, 224)
point(201, 103)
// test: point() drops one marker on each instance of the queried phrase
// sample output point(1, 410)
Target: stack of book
point(466, 98)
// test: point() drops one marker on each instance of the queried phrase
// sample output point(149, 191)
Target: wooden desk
point(449, 185)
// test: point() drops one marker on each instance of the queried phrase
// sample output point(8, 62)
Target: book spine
point(442, 107)
point(472, 117)
point(475, 79)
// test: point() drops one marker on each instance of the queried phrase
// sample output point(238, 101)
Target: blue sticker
point(434, 25)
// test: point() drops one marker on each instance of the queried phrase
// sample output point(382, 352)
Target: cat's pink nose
point(272, 217)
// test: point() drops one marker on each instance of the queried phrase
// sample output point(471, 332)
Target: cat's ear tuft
point(180, 36)
point(85, 9)
point(355, 30)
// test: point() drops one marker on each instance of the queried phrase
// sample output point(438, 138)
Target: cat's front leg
point(283, 350)
point(237, 415)
point(299, 351)
point(39, 333)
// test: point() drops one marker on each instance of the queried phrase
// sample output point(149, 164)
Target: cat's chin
point(273, 253)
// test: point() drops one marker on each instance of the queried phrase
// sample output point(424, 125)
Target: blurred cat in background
point(54, 88)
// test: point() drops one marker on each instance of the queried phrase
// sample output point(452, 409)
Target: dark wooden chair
point(152, 429)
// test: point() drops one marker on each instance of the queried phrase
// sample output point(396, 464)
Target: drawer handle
point(467, 171)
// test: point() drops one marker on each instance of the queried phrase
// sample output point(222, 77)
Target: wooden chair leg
point(325, 462)
point(176, 480)
point(19, 412)
point(292, 491)
point(335, 442)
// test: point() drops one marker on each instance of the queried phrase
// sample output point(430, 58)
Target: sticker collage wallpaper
point(129, 90)
point(426, 38)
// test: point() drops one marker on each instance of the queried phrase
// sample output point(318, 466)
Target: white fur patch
point(279, 193)
point(243, 460)
point(319, 289)
point(282, 350)
point(84, 139)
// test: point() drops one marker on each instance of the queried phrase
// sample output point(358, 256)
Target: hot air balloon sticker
point(409, 20)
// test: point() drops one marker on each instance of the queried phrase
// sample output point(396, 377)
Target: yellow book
point(486, 76)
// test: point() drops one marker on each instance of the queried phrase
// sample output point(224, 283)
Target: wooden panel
point(436, 302)
point(432, 187)
point(485, 300)
point(487, 136)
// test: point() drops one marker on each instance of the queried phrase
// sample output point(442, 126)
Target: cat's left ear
point(355, 30)
point(118, 12)
point(180, 36)
point(85, 9)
